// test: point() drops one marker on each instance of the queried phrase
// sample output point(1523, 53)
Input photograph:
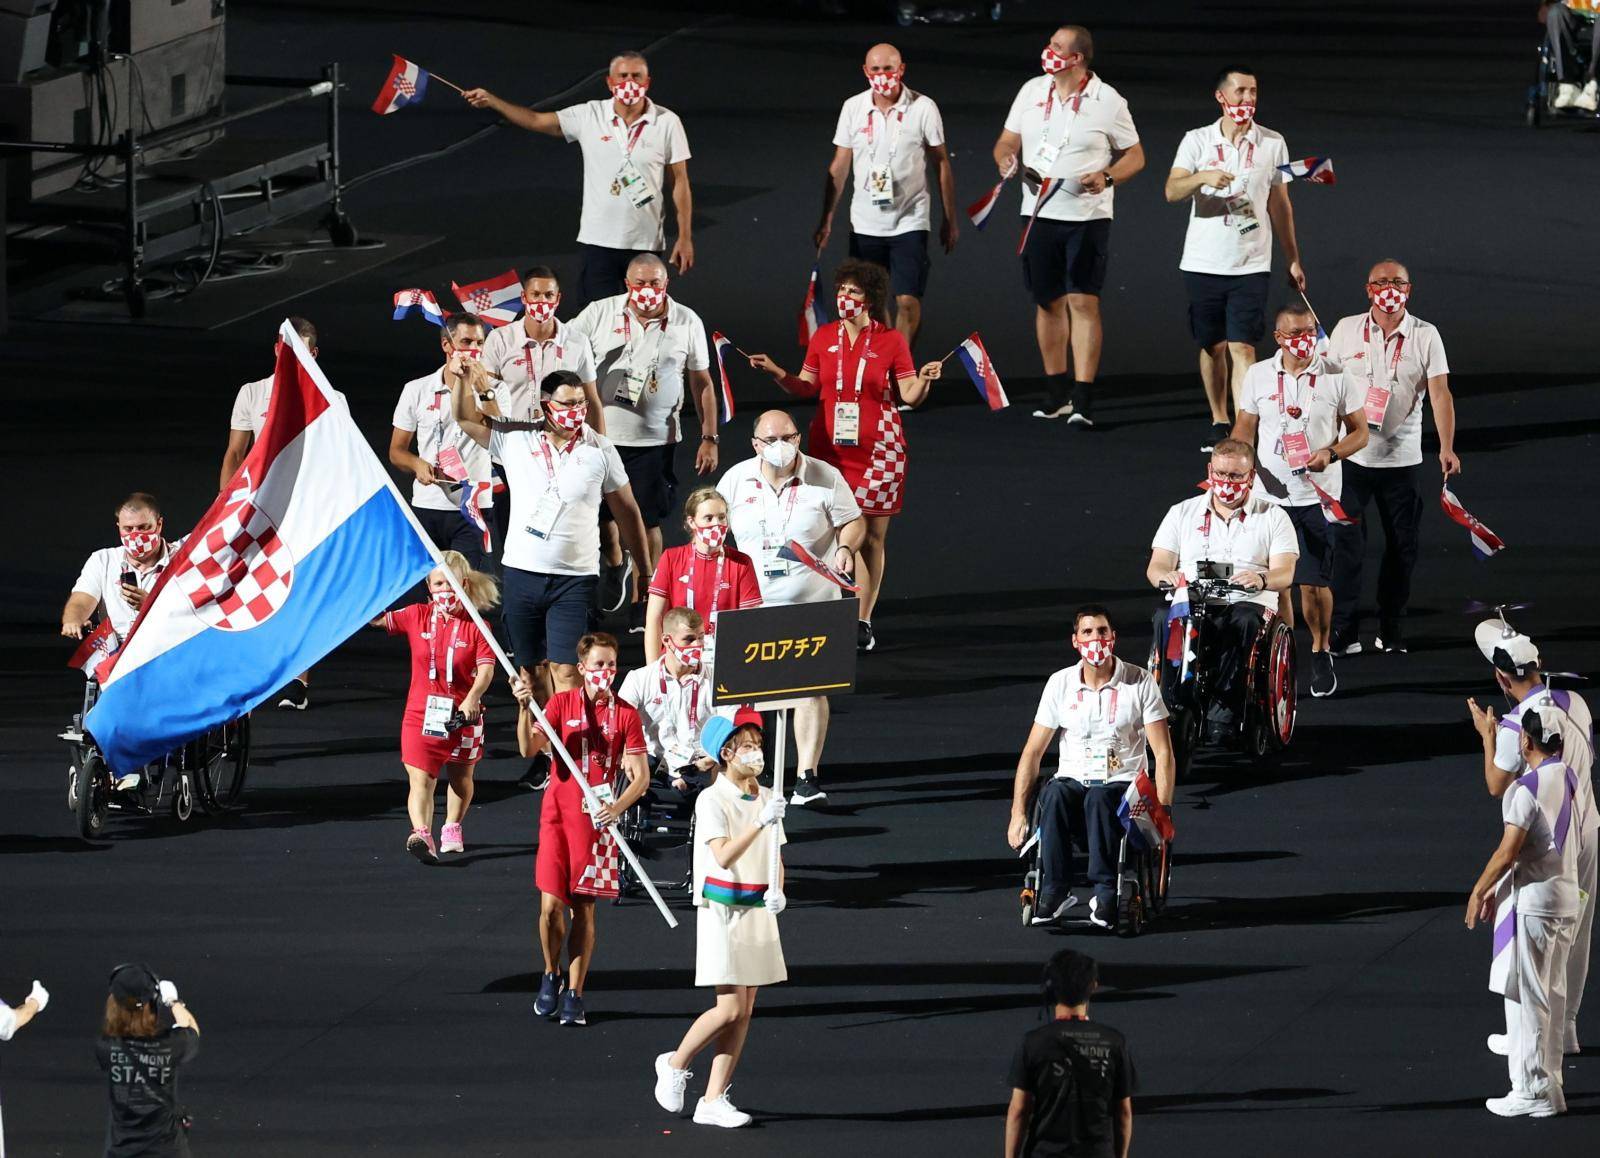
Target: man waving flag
point(309, 541)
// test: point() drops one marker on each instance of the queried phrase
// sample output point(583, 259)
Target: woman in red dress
point(703, 575)
point(577, 859)
point(860, 371)
point(451, 667)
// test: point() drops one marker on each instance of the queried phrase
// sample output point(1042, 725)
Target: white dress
point(736, 938)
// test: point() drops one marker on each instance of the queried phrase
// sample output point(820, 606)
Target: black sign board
point(786, 652)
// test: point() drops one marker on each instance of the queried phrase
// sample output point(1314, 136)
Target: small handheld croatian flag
point(1178, 634)
point(1146, 820)
point(470, 505)
point(795, 553)
point(721, 345)
point(812, 315)
point(406, 84)
point(1317, 170)
point(978, 212)
point(981, 370)
point(1048, 188)
point(1331, 510)
point(1484, 541)
point(409, 301)
point(497, 301)
point(93, 656)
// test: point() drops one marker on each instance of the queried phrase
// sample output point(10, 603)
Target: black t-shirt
point(1077, 1072)
point(143, 1122)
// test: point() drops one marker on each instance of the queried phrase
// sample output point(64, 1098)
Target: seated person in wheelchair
point(118, 579)
point(1247, 537)
point(673, 696)
point(1567, 24)
point(1107, 710)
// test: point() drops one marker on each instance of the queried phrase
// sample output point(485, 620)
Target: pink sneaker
point(420, 845)
point(450, 839)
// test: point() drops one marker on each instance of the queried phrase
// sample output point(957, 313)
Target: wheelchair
point(1143, 878)
point(656, 827)
point(1265, 726)
point(1540, 108)
point(205, 776)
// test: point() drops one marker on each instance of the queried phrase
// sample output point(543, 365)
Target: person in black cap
point(1072, 1080)
point(148, 1034)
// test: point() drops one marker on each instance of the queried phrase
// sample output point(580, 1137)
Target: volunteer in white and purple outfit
point(1396, 359)
point(1238, 199)
point(885, 139)
point(635, 154)
point(446, 460)
point(13, 1018)
point(1303, 416)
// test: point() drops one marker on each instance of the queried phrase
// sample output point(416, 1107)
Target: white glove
point(773, 811)
point(775, 901)
point(169, 993)
point(40, 996)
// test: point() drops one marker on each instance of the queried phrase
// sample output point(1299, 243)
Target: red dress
point(875, 468)
point(686, 578)
point(575, 857)
point(446, 653)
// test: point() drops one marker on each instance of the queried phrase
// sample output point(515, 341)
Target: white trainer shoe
point(670, 1084)
point(721, 1112)
point(1589, 99)
point(1566, 96)
point(1515, 1105)
point(1500, 1044)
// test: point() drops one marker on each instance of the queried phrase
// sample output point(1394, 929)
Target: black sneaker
point(550, 986)
point(1323, 681)
point(571, 1009)
point(1082, 405)
point(1217, 432)
point(537, 777)
point(296, 696)
point(614, 586)
point(1049, 912)
point(865, 641)
point(1345, 645)
point(1392, 640)
point(807, 791)
point(1057, 403)
point(636, 618)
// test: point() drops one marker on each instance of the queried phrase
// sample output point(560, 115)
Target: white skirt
point(737, 946)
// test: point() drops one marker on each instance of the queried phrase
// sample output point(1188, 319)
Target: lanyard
point(716, 586)
point(631, 136)
point(450, 652)
point(894, 130)
point(1205, 526)
point(1399, 345)
point(537, 376)
point(607, 731)
point(793, 487)
point(861, 365)
point(1248, 153)
point(1049, 104)
point(1103, 718)
point(1298, 392)
point(542, 441)
point(692, 690)
point(661, 336)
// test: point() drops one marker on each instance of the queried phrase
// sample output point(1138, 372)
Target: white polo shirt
point(1220, 241)
point(672, 711)
point(1323, 395)
point(810, 508)
point(1193, 530)
point(1392, 374)
point(652, 142)
point(584, 472)
point(658, 352)
point(426, 410)
point(898, 139)
point(1085, 132)
point(101, 579)
point(1577, 745)
point(522, 362)
point(1115, 715)
point(250, 405)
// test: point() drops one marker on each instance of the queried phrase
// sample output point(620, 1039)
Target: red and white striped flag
point(94, 654)
point(721, 344)
point(1331, 510)
point(812, 317)
point(1484, 541)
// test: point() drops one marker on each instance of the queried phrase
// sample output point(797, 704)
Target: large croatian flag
point(406, 84)
point(308, 542)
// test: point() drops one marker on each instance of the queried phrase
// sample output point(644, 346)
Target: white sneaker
point(1515, 1105)
point(1060, 911)
point(1566, 96)
point(721, 1112)
point(670, 1084)
point(1588, 99)
point(1499, 1043)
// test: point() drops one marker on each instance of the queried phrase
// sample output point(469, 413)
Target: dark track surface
point(1311, 989)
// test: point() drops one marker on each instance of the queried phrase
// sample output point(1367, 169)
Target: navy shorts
point(450, 531)
point(602, 272)
point(654, 485)
point(546, 614)
point(905, 256)
point(1316, 535)
point(1227, 307)
point(1066, 257)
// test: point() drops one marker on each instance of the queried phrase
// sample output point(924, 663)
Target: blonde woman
point(451, 667)
point(703, 574)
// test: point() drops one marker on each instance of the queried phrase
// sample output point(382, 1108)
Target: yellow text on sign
point(772, 650)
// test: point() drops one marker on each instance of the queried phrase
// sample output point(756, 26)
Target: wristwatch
point(1333, 456)
point(1110, 180)
point(711, 438)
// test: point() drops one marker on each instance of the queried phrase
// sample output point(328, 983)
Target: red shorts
point(575, 858)
point(432, 753)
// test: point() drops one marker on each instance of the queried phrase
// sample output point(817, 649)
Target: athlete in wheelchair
point(1112, 724)
point(208, 772)
point(1222, 656)
point(1565, 81)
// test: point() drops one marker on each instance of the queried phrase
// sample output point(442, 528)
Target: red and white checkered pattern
point(240, 572)
point(602, 876)
point(879, 490)
point(403, 86)
point(469, 744)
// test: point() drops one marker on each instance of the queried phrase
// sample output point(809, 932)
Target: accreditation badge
point(1296, 450)
point(630, 183)
point(880, 186)
point(546, 513)
point(847, 424)
point(1377, 404)
point(1044, 157)
point(623, 386)
point(1243, 214)
point(436, 713)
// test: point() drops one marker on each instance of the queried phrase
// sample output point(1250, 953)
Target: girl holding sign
point(736, 933)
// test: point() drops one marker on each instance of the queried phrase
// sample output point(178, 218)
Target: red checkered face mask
point(884, 83)
point(541, 311)
point(687, 656)
point(1301, 345)
point(710, 539)
point(598, 679)
point(849, 307)
point(447, 601)
point(1096, 651)
point(471, 355)
point(1391, 299)
point(1051, 60)
point(646, 297)
point(1230, 491)
point(1241, 114)
point(568, 417)
point(630, 92)
point(140, 543)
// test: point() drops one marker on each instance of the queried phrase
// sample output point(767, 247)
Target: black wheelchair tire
point(225, 768)
point(1131, 913)
point(1184, 728)
point(183, 798)
point(92, 797)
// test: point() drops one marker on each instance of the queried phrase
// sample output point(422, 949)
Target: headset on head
point(151, 992)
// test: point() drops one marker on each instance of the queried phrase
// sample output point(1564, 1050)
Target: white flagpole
point(593, 801)
point(780, 750)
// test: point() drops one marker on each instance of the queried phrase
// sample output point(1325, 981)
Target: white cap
point(1550, 719)
point(1505, 647)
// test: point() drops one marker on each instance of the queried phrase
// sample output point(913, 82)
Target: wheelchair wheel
point(72, 788)
point(1030, 897)
point(1131, 911)
point(183, 798)
point(1281, 701)
point(224, 764)
point(1184, 725)
point(94, 788)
